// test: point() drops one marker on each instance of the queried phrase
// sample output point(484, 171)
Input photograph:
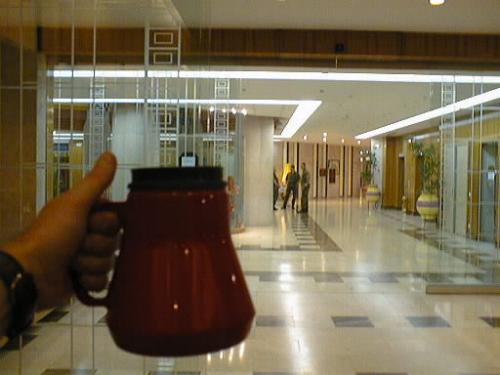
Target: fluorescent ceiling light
point(304, 110)
point(436, 2)
point(279, 75)
point(435, 113)
point(302, 113)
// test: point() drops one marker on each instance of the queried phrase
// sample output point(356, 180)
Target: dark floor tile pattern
point(273, 321)
point(458, 250)
point(383, 278)
point(322, 239)
point(54, 316)
point(376, 277)
point(492, 321)
point(309, 235)
point(274, 248)
point(15, 343)
point(428, 322)
point(68, 372)
point(352, 322)
point(328, 277)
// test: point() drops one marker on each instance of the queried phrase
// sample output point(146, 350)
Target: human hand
point(67, 234)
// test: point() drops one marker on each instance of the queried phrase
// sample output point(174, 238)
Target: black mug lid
point(187, 178)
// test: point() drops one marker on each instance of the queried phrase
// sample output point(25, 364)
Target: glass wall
point(79, 78)
point(470, 189)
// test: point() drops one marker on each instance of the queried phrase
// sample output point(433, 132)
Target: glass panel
point(470, 185)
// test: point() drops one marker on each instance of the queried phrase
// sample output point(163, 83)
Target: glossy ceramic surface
point(178, 288)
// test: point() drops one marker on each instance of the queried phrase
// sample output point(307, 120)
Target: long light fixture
point(304, 108)
point(279, 75)
point(302, 113)
point(435, 113)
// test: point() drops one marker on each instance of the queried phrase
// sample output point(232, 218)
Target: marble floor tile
point(273, 321)
point(54, 316)
point(493, 321)
point(352, 322)
point(18, 343)
point(428, 322)
point(368, 270)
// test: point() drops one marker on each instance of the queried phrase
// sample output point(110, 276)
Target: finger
point(94, 283)
point(96, 181)
point(104, 222)
point(92, 265)
point(99, 245)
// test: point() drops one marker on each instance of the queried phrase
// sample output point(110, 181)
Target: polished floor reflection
point(338, 291)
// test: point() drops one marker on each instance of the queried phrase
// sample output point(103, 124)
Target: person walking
point(276, 188)
point(305, 184)
point(292, 186)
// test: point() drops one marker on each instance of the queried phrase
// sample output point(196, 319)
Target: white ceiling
point(455, 16)
point(471, 16)
point(348, 108)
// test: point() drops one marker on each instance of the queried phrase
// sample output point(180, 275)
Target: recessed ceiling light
point(233, 110)
point(244, 112)
point(325, 134)
point(436, 2)
point(342, 140)
point(359, 142)
point(305, 137)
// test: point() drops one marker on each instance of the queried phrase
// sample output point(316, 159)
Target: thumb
point(90, 189)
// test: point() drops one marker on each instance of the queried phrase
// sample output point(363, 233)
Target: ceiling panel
point(472, 16)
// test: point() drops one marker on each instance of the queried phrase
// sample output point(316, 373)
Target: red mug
point(177, 287)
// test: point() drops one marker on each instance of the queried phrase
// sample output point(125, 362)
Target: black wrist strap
point(22, 293)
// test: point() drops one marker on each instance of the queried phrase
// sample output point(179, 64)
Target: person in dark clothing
point(292, 186)
point(276, 188)
point(305, 183)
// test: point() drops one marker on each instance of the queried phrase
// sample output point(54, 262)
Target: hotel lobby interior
point(388, 261)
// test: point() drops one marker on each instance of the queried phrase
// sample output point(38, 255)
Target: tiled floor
point(338, 291)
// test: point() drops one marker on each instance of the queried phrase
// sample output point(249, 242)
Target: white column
point(258, 183)
point(133, 144)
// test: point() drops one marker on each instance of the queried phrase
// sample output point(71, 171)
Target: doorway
point(489, 188)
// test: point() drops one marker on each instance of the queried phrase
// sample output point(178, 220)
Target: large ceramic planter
point(372, 194)
point(428, 206)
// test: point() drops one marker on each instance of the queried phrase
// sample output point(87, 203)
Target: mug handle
point(81, 293)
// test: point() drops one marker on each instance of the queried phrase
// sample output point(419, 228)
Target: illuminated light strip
point(99, 100)
point(280, 75)
point(435, 113)
point(304, 109)
point(299, 117)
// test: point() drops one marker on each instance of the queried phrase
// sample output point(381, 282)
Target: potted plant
point(368, 176)
point(428, 201)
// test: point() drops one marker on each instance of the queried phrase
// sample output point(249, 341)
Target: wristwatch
point(22, 294)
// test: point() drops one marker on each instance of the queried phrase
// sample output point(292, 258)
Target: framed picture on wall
point(333, 170)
